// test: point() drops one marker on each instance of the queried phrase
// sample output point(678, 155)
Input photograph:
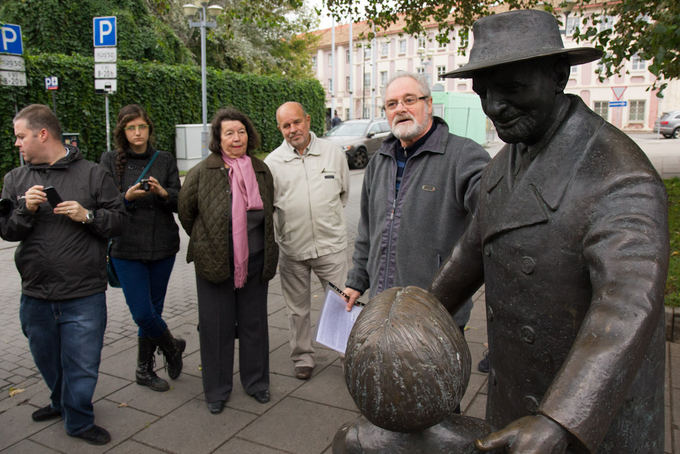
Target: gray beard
point(412, 131)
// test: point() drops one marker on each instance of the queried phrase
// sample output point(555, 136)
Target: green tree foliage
point(648, 28)
point(264, 37)
point(65, 27)
point(170, 93)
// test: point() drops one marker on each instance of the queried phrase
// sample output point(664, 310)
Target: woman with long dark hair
point(144, 254)
point(226, 206)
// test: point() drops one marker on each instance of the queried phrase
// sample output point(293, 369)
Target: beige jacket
point(310, 192)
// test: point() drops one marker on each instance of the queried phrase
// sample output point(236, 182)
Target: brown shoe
point(303, 372)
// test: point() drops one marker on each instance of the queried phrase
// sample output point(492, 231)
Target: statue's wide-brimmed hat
point(518, 36)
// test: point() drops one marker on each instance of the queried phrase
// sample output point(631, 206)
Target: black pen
point(337, 289)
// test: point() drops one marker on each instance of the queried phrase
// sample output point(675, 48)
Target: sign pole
point(108, 125)
point(54, 102)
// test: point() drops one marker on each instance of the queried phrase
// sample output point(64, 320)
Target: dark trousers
point(66, 339)
point(221, 308)
point(144, 285)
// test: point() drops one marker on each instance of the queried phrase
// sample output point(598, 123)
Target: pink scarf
point(245, 196)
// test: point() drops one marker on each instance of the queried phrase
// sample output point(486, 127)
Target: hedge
point(171, 95)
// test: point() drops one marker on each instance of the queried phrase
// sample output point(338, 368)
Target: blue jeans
point(144, 285)
point(66, 339)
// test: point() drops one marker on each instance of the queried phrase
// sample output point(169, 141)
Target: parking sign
point(105, 33)
point(10, 39)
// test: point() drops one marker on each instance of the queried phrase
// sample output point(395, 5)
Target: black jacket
point(149, 231)
point(58, 258)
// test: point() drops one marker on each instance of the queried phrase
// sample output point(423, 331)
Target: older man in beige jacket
point(311, 186)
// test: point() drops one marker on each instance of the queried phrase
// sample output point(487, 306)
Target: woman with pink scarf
point(226, 206)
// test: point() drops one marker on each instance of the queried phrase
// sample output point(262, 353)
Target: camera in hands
point(144, 184)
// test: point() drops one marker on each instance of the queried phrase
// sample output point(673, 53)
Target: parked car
point(669, 125)
point(360, 139)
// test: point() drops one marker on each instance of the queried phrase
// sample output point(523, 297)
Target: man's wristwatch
point(89, 217)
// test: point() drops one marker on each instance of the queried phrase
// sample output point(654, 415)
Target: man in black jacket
point(61, 260)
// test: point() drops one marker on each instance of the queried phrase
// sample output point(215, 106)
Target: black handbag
point(110, 269)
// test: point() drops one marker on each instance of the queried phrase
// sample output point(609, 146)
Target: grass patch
point(672, 294)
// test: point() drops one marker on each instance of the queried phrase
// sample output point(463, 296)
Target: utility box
point(463, 113)
point(188, 145)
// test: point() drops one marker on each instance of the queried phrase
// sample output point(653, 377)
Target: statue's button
point(528, 265)
point(489, 313)
point(531, 403)
point(527, 334)
point(487, 250)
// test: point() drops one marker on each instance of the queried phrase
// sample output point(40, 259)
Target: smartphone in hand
point(52, 196)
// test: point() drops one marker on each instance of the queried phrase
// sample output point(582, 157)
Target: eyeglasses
point(137, 128)
point(406, 101)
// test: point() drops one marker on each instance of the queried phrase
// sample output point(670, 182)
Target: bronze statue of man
point(570, 238)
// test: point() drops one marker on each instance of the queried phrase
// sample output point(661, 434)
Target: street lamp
point(200, 10)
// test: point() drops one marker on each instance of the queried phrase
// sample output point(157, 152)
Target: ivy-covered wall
point(171, 95)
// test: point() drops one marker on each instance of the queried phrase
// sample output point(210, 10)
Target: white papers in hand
point(336, 323)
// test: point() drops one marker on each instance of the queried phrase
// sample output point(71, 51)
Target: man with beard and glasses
point(570, 239)
point(418, 192)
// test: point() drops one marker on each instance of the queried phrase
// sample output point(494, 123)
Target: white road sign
point(106, 85)
point(105, 54)
point(12, 63)
point(15, 78)
point(105, 71)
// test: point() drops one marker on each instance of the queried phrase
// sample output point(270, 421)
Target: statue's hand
point(527, 435)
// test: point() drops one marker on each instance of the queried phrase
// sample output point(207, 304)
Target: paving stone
point(133, 447)
point(120, 422)
point(236, 445)
point(477, 408)
point(280, 386)
point(16, 424)
point(182, 390)
point(328, 388)
point(288, 426)
point(28, 447)
point(192, 429)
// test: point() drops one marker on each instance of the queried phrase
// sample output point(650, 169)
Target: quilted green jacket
point(204, 209)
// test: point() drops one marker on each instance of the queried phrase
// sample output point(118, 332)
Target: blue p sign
point(51, 83)
point(10, 39)
point(105, 33)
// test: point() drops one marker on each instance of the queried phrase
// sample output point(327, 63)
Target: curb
point(672, 315)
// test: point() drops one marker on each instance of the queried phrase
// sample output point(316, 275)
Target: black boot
point(172, 348)
point(145, 374)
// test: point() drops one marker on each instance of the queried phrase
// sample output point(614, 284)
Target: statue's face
point(519, 98)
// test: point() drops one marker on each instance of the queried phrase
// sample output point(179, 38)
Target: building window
point(330, 85)
point(420, 70)
point(422, 42)
point(573, 71)
point(638, 63)
point(636, 112)
point(601, 108)
point(440, 73)
point(348, 88)
point(383, 78)
point(384, 49)
point(347, 55)
point(367, 51)
point(402, 46)
point(606, 23)
point(367, 80)
point(572, 23)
